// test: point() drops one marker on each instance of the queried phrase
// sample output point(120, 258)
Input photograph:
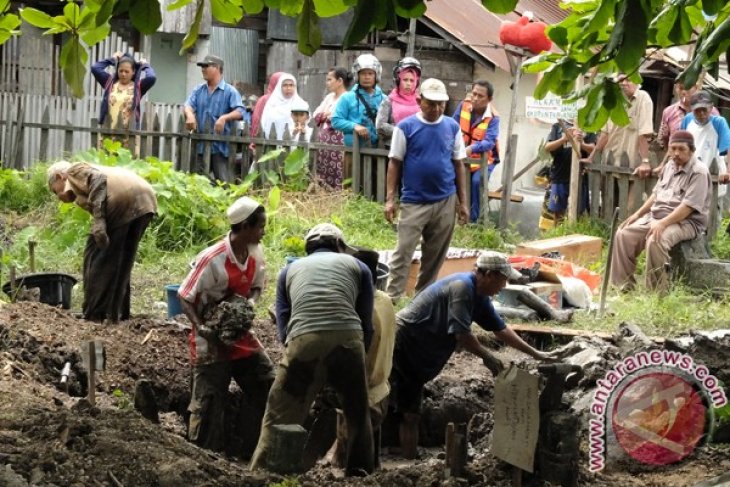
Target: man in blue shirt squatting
point(213, 107)
point(324, 307)
point(435, 322)
point(426, 154)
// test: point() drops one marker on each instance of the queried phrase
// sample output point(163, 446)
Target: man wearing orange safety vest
point(479, 124)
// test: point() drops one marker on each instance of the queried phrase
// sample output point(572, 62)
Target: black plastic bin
point(55, 287)
point(382, 277)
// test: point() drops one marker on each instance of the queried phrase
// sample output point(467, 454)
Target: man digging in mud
point(434, 323)
point(217, 296)
point(324, 306)
point(122, 205)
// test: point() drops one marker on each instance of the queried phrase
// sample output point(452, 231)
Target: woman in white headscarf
point(277, 111)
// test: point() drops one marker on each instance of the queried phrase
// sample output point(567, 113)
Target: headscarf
point(278, 109)
point(258, 109)
point(403, 104)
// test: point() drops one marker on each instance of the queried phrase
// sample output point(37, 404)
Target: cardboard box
point(450, 266)
point(578, 249)
point(549, 292)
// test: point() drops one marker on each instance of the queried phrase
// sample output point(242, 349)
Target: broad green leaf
point(94, 5)
point(4, 5)
point(362, 22)
point(97, 34)
point(559, 35)
point(500, 6)
point(272, 154)
point(105, 12)
point(712, 7)
point(61, 22)
point(88, 19)
point(145, 15)
point(633, 45)
point(601, 17)
point(681, 30)
point(192, 35)
point(253, 7)
point(309, 35)
point(291, 7)
point(37, 18)
point(274, 199)
point(416, 11)
point(179, 4)
point(72, 12)
point(330, 8)
point(272, 177)
point(296, 161)
point(537, 64)
point(9, 22)
point(73, 63)
point(225, 11)
point(4, 36)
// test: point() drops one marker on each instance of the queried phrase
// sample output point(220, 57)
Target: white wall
point(529, 132)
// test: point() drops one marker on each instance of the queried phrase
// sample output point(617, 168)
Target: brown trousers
point(107, 272)
point(311, 361)
point(631, 240)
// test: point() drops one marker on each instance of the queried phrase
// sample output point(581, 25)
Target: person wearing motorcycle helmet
point(402, 102)
point(357, 109)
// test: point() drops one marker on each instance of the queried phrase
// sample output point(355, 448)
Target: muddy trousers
point(431, 224)
point(107, 272)
point(311, 361)
point(254, 375)
point(631, 241)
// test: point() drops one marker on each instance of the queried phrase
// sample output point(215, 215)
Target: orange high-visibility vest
point(476, 133)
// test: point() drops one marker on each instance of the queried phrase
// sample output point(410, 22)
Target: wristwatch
point(645, 160)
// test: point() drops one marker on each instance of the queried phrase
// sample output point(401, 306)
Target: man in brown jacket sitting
point(122, 205)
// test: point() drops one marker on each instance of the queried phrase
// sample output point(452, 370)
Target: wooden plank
point(368, 177)
point(497, 195)
point(382, 168)
point(623, 196)
point(508, 169)
point(43, 147)
point(356, 169)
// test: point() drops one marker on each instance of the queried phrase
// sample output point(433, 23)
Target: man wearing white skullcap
point(233, 266)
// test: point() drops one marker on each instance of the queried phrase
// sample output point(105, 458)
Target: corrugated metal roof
point(473, 27)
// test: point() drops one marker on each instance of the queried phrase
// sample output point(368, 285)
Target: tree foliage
point(598, 38)
point(603, 37)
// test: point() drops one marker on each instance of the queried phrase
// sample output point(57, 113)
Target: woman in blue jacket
point(123, 90)
point(356, 110)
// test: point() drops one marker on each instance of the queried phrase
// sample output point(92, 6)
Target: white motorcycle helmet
point(367, 61)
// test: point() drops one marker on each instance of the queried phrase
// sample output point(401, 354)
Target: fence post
point(507, 180)
point(628, 189)
point(68, 139)
point(355, 163)
point(153, 149)
point(43, 145)
point(18, 144)
point(714, 220)
point(167, 145)
point(206, 150)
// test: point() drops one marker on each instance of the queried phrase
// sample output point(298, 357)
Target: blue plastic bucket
point(173, 302)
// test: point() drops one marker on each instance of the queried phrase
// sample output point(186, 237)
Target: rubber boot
point(409, 436)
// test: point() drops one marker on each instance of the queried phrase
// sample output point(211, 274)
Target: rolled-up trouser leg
point(628, 243)
point(657, 253)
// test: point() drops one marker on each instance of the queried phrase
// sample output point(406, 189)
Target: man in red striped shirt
point(233, 266)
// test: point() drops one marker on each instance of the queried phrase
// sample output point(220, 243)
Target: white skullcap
point(241, 209)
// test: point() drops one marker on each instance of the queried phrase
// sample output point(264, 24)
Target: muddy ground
point(51, 438)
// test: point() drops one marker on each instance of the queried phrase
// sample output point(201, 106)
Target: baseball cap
point(434, 90)
point(241, 209)
point(489, 260)
point(328, 230)
point(211, 59)
point(701, 99)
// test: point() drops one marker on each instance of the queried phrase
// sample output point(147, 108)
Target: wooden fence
point(165, 137)
point(611, 185)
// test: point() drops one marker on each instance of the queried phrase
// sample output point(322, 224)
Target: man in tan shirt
point(122, 205)
point(677, 210)
point(632, 139)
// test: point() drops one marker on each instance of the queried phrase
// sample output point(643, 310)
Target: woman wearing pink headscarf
point(402, 102)
point(258, 110)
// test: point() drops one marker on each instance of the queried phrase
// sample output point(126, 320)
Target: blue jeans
point(476, 177)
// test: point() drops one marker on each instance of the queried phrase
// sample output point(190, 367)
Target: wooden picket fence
point(614, 185)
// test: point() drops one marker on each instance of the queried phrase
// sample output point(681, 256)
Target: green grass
point(193, 217)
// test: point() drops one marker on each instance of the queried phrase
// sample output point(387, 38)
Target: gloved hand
point(494, 365)
point(98, 231)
